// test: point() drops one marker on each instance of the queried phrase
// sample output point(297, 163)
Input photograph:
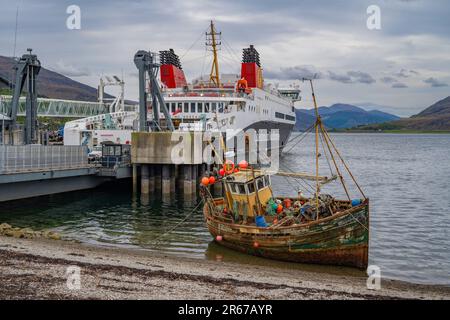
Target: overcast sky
point(402, 68)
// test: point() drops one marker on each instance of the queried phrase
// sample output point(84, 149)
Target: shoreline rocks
point(27, 233)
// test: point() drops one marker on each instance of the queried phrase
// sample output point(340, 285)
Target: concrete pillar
point(145, 179)
point(187, 180)
point(194, 178)
point(158, 179)
point(172, 179)
point(179, 176)
point(135, 178)
point(151, 178)
point(165, 176)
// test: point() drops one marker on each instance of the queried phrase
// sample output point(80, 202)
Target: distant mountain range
point(434, 118)
point(51, 84)
point(341, 116)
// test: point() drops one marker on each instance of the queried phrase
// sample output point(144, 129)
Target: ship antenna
point(213, 41)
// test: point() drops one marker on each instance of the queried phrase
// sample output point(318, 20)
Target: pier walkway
point(35, 170)
point(59, 108)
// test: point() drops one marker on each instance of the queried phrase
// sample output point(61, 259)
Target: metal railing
point(37, 157)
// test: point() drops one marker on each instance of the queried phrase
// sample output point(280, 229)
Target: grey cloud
point(399, 85)
point(294, 73)
point(403, 73)
point(435, 82)
point(361, 77)
point(351, 77)
point(70, 70)
point(388, 80)
point(339, 77)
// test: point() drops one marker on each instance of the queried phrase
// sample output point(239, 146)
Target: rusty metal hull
point(341, 239)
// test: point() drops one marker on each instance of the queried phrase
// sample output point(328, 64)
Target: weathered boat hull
point(341, 239)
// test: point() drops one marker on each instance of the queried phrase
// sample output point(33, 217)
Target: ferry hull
point(341, 239)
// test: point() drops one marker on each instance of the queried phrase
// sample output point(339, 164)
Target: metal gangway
point(59, 108)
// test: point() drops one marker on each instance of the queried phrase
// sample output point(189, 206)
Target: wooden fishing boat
point(317, 229)
point(339, 237)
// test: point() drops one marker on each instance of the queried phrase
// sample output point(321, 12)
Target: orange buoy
point(212, 180)
point(279, 208)
point(219, 238)
point(243, 164)
point(275, 221)
point(287, 202)
point(256, 244)
point(205, 181)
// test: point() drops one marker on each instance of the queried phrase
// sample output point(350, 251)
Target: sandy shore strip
point(36, 269)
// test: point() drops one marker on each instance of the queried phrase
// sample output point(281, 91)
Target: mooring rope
point(179, 223)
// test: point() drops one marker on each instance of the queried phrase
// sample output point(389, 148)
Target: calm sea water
point(406, 177)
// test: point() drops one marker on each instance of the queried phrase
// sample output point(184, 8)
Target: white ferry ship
point(218, 102)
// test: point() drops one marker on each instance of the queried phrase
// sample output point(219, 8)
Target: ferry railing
point(28, 158)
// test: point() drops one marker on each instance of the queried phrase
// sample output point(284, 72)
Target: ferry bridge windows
point(200, 107)
point(290, 118)
point(193, 107)
point(173, 107)
point(207, 107)
point(213, 107)
point(279, 115)
point(241, 188)
point(180, 106)
point(186, 107)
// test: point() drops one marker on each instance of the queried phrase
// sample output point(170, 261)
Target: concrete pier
point(175, 161)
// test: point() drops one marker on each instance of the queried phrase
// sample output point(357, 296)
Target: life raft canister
point(228, 167)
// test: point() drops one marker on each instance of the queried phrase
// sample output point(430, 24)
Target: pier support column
point(172, 179)
point(165, 176)
point(194, 180)
point(187, 180)
point(158, 178)
point(151, 178)
point(135, 178)
point(145, 179)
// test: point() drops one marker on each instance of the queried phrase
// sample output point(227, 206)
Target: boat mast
point(211, 41)
point(317, 147)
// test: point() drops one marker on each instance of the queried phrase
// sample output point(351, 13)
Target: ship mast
point(213, 41)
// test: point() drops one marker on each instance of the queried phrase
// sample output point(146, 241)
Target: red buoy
point(219, 238)
point(256, 244)
point(212, 180)
point(205, 181)
point(243, 164)
point(221, 172)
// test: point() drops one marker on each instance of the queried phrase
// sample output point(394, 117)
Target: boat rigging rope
point(303, 136)
point(179, 223)
point(193, 44)
point(326, 154)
